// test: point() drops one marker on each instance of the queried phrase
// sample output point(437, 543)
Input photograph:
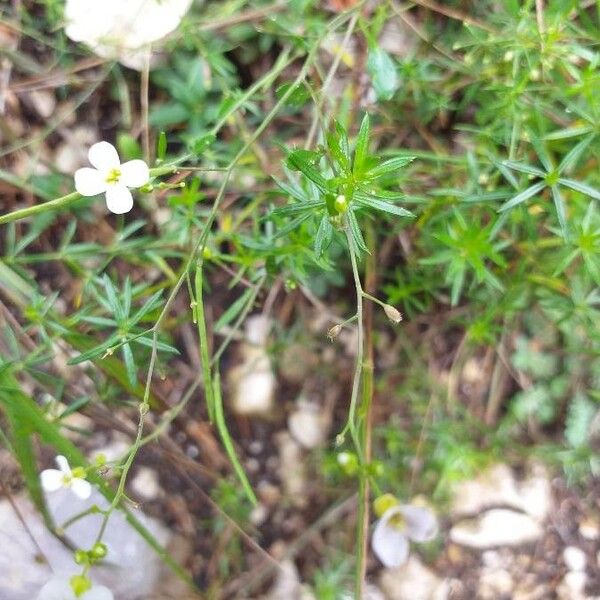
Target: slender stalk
point(64, 201)
point(365, 414)
point(351, 423)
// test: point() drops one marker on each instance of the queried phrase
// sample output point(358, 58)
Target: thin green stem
point(351, 422)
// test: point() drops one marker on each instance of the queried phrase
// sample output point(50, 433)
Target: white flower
point(60, 589)
point(63, 477)
point(397, 526)
point(111, 177)
point(123, 29)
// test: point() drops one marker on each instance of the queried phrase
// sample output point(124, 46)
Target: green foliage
point(472, 177)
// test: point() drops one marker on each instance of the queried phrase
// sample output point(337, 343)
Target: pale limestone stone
point(412, 581)
point(497, 527)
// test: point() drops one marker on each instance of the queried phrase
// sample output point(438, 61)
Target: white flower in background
point(123, 29)
point(64, 477)
point(111, 177)
point(61, 589)
point(398, 524)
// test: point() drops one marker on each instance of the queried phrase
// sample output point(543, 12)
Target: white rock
point(589, 529)
point(497, 486)
point(308, 425)
point(535, 493)
point(495, 583)
point(572, 586)
point(123, 30)
point(574, 558)
point(287, 582)
point(145, 484)
point(497, 527)
point(412, 581)
point(44, 102)
point(258, 515)
point(291, 468)
point(253, 381)
point(132, 566)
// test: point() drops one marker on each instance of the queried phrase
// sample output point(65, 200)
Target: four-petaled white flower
point(111, 177)
point(125, 30)
point(61, 589)
point(64, 477)
point(398, 525)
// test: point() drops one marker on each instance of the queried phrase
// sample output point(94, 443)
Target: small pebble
point(574, 558)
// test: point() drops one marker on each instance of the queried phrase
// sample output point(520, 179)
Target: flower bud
point(341, 204)
point(81, 557)
point(99, 551)
point(394, 315)
point(383, 503)
point(334, 332)
point(80, 585)
point(348, 462)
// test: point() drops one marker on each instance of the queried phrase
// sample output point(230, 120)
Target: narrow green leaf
point(560, 212)
point(334, 143)
point(324, 236)
point(202, 143)
point(228, 442)
point(523, 168)
point(294, 224)
point(233, 310)
point(389, 166)
point(361, 151)
point(161, 147)
point(130, 367)
point(580, 187)
point(384, 75)
point(95, 352)
point(384, 206)
point(356, 232)
point(571, 158)
point(297, 207)
point(298, 160)
point(525, 195)
point(293, 191)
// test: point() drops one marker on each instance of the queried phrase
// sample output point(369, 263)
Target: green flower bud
point(80, 585)
point(383, 503)
point(348, 462)
point(341, 204)
point(81, 557)
point(99, 551)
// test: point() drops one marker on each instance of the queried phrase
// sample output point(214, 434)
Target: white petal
point(119, 199)
point(98, 593)
point(134, 173)
point(104, 156)
point(88, 20)
point(389, 543)
point(421, 522)
point(89, 182)
point(56, 589)
point(63, 464)
point(52, 479)
point(81, 488)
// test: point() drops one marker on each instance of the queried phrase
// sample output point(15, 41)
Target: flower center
point(113, 176)
point(397, 522)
